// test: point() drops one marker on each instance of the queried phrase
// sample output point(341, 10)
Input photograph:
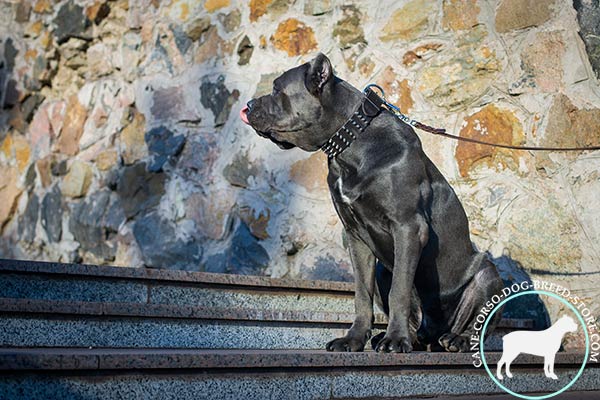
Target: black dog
point(407, 231)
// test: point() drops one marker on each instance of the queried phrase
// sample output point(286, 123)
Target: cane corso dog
point(407, 231)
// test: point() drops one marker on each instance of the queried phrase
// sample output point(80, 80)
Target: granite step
point(56, 281)
point(90, 283)
point(86, 305)
point(81, 331)
point(68, 373)
point(45, 323)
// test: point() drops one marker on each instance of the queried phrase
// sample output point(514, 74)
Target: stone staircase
point(81, 331)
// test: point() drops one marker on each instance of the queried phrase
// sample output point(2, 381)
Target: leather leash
point(442, 132)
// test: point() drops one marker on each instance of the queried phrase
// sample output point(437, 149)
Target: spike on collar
point(369, 108)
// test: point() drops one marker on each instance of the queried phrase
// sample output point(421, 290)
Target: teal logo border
point(579, 317)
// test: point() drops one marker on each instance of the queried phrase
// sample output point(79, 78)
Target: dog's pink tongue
point(244, 114)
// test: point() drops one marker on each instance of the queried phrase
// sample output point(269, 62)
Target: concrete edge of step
point(169, 311)
point(152, 310)
point(21, 359)
point(75, 270)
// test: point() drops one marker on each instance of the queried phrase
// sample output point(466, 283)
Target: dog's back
point(538, 342)
point(526, 342)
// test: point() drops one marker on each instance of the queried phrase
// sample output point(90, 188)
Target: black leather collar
point(369, 108)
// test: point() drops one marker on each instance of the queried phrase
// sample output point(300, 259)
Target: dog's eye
point(275, 91)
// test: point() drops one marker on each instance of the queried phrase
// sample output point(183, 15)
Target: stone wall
point(121, 142)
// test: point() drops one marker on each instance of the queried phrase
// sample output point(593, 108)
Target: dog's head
point(295, 113)
point(567, 324)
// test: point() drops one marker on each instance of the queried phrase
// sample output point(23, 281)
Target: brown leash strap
point(442, 132)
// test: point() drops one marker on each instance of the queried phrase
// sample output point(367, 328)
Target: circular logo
point(579, 317)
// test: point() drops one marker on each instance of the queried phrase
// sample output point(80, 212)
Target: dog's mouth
point(267, 135)
point(281, 143)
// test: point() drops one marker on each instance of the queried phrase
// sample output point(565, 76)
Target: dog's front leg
point(409, 240)
point(363, 262)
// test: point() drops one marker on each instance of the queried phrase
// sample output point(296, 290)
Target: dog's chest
point(344, 199)
point(339, 188)
point(360, 215)
point(348, 203)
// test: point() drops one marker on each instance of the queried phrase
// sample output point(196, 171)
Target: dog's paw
point(394, 344)
point(454, 343)
point(346, 343)
point(552, 376)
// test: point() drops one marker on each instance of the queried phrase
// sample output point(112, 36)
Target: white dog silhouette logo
point(539, 343)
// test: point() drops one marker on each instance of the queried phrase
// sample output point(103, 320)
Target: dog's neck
point(344, 99)
point(349, 116)
point(559, 327)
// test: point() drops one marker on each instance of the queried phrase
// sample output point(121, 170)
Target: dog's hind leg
point(501, 362)
point(485, 284)
point(508, 373)
point(507, 358)
point(508, 362)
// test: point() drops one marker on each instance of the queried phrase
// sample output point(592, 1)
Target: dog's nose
point(250, 104)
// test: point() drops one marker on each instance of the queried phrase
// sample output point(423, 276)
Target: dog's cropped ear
point(319, 73)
